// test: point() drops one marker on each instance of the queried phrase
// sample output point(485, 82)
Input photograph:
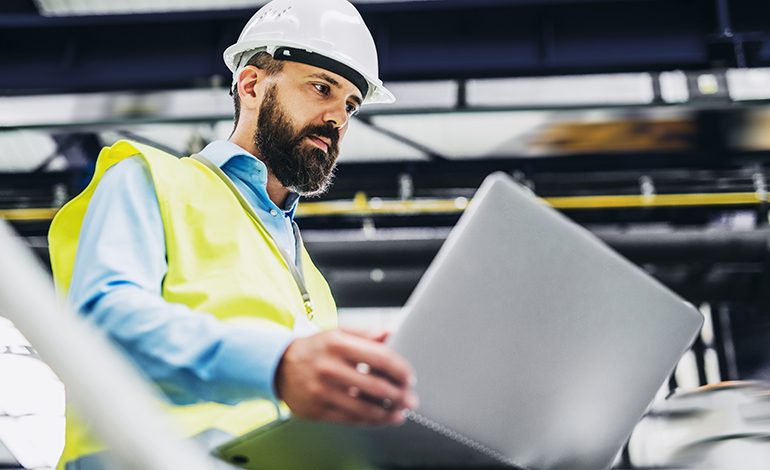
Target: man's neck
point(275, 190)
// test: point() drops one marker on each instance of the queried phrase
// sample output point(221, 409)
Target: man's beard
point(298, 166)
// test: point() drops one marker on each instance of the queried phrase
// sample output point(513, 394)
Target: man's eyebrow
point(335, 84)
point(327, 78)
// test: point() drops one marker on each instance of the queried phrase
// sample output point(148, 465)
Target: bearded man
point(195, 267)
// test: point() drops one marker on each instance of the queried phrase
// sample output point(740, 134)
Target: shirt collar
point(220, 152)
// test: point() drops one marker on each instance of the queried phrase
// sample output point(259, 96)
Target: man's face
point(302, 120)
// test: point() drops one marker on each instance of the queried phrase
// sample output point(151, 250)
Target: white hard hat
point(324, 33)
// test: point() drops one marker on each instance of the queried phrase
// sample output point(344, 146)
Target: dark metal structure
point(418, 40)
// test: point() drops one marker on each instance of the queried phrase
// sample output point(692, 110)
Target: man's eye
point(322, 89)
point(352, 109)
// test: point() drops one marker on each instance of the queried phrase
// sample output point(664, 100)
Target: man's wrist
point(279, 372)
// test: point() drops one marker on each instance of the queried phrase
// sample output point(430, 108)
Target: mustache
point(327, 130)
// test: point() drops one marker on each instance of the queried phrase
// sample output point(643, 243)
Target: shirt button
point(273, 212)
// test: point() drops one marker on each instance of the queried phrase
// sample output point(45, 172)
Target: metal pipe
point(726, 31)
point(723, 18)
point(411, 247)
point(690, 245)
point(392, 287)
point(727, 343)
point(105, 388)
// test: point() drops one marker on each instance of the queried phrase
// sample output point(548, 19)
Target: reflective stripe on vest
point(220, 261)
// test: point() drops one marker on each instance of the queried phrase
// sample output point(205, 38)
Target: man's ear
point(249, 79)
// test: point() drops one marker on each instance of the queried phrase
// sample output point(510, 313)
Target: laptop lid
point(531, 336)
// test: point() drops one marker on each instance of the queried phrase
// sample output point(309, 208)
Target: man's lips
point(320, 142)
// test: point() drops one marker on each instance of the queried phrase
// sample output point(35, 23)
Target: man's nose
point(337, 115)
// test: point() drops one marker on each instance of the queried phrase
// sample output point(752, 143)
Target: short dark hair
point(261, 60)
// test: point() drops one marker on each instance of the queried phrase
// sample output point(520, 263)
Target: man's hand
point(345, 376)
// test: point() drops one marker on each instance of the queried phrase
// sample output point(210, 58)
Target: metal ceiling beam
point(417, 41)
point(432, 154)
point(416, 248)
point(700, 265)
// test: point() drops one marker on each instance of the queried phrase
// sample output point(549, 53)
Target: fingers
point(371, 386)
point(382, 360)
point(336, 415)
point(345, 377)
point(378, 336)
point(356, 411)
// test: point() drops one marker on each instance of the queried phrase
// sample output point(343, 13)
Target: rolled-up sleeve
point(116, 284)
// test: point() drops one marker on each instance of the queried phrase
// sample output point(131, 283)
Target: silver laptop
point(534, 344)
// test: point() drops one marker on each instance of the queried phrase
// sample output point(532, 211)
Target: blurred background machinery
point(724, 425)
point(647, 121)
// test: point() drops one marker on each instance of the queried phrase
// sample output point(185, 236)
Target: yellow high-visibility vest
point(220, 260)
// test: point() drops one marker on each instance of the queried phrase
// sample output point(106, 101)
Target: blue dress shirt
point(119, 271)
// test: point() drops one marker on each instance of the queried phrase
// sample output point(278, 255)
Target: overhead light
point(673, 87)
point(421, 95)
point(467, 135)
point(120, 7)
point(25, 150)
point(708, 84)
point(749, 84)
point(577, 90)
